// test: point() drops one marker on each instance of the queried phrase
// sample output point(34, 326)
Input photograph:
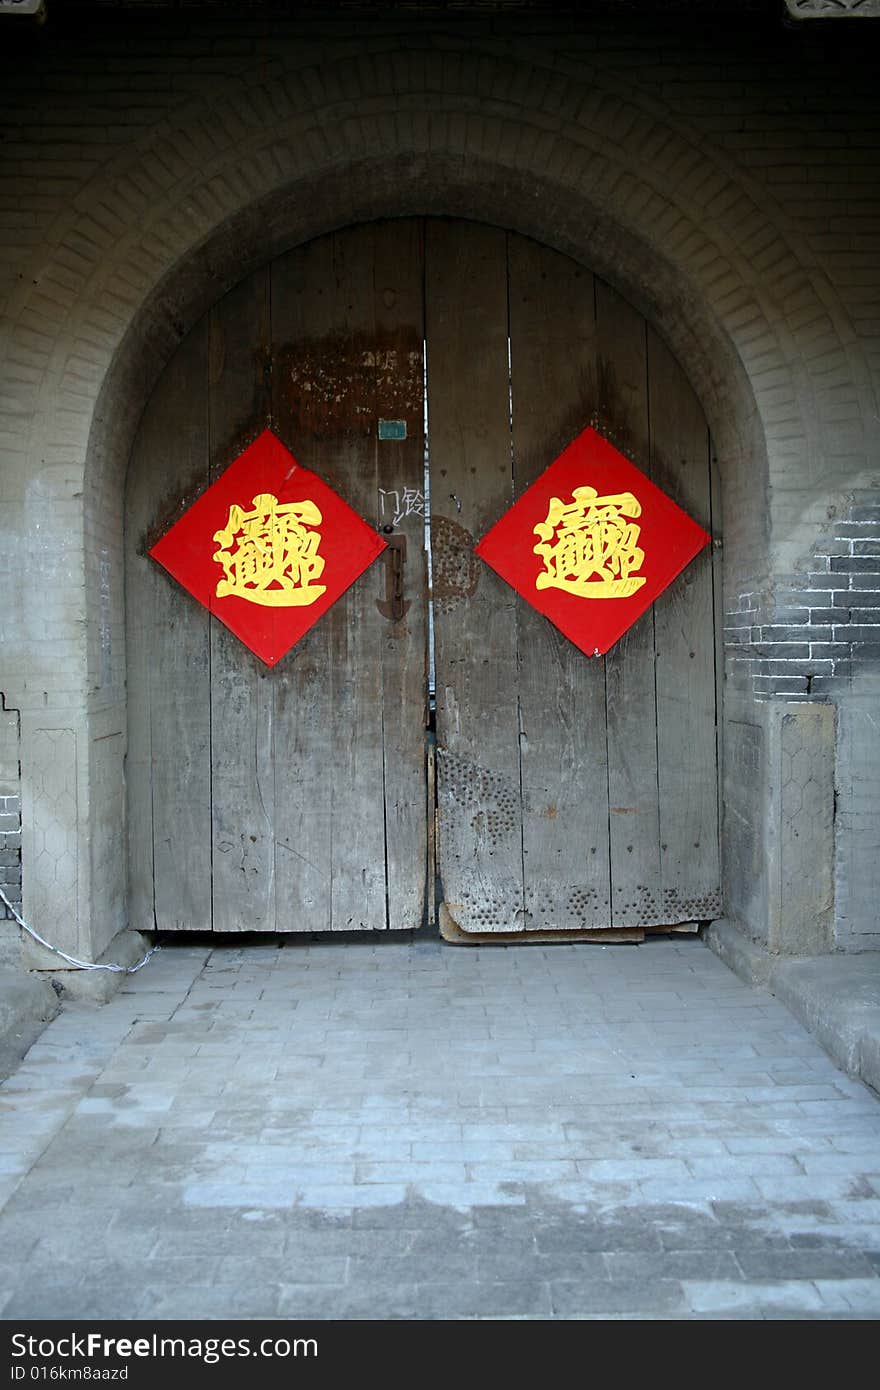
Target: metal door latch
point(393, 606)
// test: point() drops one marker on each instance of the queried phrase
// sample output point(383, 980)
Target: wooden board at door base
point(452, 932)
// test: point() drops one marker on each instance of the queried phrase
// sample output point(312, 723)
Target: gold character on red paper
point(589, 546)
point(275, 561)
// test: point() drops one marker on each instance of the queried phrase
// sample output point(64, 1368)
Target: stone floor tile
point(585, 1296)
point(483, 1300)
point(382, 1301)
point(723, 1295)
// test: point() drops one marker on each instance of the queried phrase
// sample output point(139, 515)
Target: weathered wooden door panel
point(681, 454)
point(614, 758)
point(563, 747)
point(290, 798)
point(631, 696)
point(398, 305)
point(478, 731)
point(324, 391)
point(242, 728)
point(169, 682)
point(347, 319)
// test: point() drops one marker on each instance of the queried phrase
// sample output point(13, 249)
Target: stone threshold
point(835, 997)
point(27, 1004)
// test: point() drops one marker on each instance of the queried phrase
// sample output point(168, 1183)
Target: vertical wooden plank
point(242, 706)
point(683, 625)
point(330, 764)
point(717, 529)
point(479, 794)
point(179, 674)
point(303, 699)
point(398, 250)
point(142, 581)
point(359, 891)
point(636, 899)
point(561, 691)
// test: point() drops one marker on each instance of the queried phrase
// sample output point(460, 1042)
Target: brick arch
point(618, 157)
point(619, 152)
point(166, 228)
point(602, 175)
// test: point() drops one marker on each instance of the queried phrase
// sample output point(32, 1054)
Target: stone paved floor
point(409, 1129)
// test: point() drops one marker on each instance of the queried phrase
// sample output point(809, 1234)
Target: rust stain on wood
point(341, 384)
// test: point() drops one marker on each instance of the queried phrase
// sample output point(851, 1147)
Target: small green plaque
point(392, 429)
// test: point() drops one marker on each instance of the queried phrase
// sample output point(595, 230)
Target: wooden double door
point(428, 370)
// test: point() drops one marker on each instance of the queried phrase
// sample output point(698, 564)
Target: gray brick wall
point(820, 628)
point(10, 851)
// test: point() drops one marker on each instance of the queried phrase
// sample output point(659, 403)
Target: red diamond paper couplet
point(592, 543)
point(268, 548)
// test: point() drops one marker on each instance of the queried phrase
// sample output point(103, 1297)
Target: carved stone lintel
point(833, 9)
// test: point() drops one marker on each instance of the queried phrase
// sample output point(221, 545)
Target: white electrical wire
point(72, 960)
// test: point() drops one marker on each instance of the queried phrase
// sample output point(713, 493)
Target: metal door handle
point(393, 606)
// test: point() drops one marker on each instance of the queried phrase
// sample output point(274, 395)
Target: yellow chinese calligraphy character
point(589, 547)
point(276, 560)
